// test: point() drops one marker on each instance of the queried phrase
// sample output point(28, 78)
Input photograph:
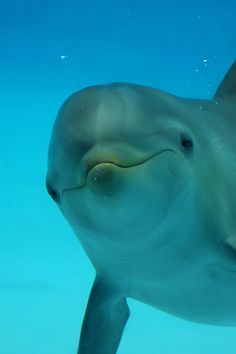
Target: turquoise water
point(50, 49)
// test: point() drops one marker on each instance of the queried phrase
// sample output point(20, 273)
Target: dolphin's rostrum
point(147, 181)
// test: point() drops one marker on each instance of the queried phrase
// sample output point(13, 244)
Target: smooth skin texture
point(147, 182)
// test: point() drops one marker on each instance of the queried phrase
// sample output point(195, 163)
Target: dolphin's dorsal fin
point(227, 88)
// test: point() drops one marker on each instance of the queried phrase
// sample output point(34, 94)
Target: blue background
point(50, 49)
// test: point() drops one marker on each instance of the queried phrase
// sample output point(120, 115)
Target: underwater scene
point(118, 177)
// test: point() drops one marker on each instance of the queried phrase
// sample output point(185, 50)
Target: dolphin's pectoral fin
point(104, 321)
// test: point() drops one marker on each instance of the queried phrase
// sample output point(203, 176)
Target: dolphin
point(147, 181)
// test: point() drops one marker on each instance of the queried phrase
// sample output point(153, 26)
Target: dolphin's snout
point(104, 178)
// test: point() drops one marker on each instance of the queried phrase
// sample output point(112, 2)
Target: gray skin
point(147, 182)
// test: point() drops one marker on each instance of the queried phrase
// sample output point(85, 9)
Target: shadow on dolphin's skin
point(147, 181)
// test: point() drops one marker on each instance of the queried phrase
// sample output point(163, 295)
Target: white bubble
point(64, 57)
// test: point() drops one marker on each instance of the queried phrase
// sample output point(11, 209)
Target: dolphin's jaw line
point(93, 165)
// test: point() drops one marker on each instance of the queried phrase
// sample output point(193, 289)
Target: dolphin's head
point(118, 160)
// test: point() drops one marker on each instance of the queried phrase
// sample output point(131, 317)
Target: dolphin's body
point(147, 181)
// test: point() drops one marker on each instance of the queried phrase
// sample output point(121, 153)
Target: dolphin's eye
point(186, 142)
point(53, 194)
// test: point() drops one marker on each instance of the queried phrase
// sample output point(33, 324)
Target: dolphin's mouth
point(98, 162)
point(123, 165)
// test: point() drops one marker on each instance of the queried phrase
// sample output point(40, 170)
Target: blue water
point(50, 49)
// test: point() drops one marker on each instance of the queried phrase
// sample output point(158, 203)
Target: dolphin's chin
point(114, 199)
